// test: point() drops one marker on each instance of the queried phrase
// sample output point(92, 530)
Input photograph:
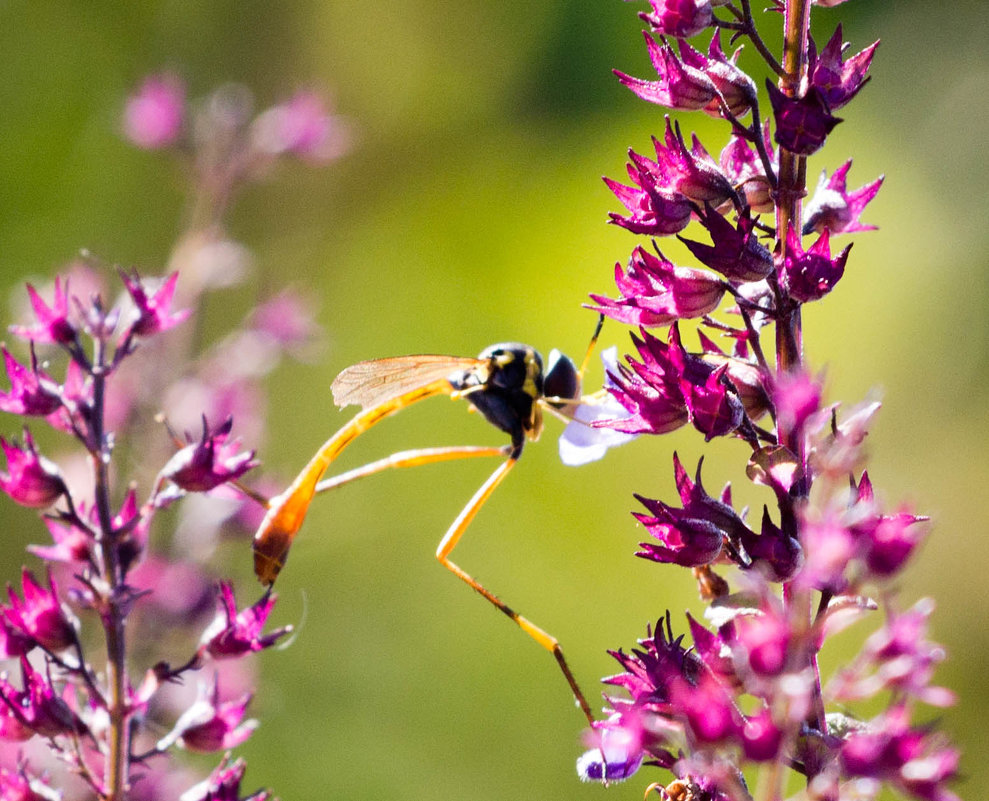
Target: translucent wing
point(369, 383)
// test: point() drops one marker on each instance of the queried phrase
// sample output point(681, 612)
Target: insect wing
point(373, 382)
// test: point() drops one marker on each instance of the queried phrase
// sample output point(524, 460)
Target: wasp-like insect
point(506, 383)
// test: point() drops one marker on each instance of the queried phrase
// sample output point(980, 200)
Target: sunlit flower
point(233, 634)
point(153, 313)
point(214, 460)
point(31, 479)
point(834, 208)
point(41, 616)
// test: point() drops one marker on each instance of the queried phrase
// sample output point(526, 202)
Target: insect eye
point(560, 379)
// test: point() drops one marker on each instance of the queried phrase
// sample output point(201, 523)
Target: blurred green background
point(472, 211)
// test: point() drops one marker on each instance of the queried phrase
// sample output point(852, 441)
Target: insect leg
point(412, 458)
point(449, 542)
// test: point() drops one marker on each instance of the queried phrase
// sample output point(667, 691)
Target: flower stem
point(116, 771)
point(791, 189)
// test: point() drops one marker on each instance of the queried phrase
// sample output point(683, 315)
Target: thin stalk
point(790, 190)
point(116, 771)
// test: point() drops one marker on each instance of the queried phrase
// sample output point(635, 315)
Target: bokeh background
point(471, 211)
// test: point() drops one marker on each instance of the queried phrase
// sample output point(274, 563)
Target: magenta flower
point(41, 616)
point(18, 786)
point(706, 707)
point(223, 784)
point(679, 86)
point(303, 127)
point(53, 324)
point(37, 706)
point(802, 123)
point(765, 639)
point(670, 387)
point(654, 210)
point(32, 391)
point(233, 634)
point(897, 658)
point(735, 250)
point(153, 116)
point(840, 81)
point(911, 759)
point(835, 208)
point(656, 292)
point(214, 460)
point(72, 543)
point(810, 275)
point(746, 376)
point(683, 540)
point(699, 505)
point(152, 314)
point(761, 737)
point(648, 391)
point(736, 90)
point(210, 724)
point(742, 165)
point(692, 173)
point(31, 480)
point(679, 18)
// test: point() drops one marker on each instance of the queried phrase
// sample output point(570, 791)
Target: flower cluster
point(748, 695)
point(96, 372)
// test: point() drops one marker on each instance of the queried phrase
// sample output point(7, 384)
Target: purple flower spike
point(53, 323)
point(32, 391)
point(835, 208)
point(153, 115)
point(205, 465)
point(210, 724)
point(656, 292)
point(840, 81)
point(31, 480)
point(810, 275)
point(231, 635)
point(802, 123)
point(41, 617)
point(679, 86)
point(153, 314)
point(679, 18)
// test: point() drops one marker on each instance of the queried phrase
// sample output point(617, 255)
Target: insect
point(506, 383)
